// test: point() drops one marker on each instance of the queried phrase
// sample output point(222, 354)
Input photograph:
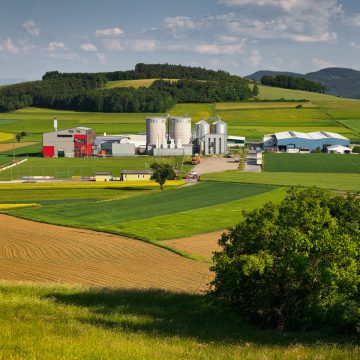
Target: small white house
point(338, 149)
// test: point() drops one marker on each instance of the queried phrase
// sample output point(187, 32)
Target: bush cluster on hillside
point(295, 264)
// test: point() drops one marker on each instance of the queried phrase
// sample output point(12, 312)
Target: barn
point(74, 142)
point(286, 140)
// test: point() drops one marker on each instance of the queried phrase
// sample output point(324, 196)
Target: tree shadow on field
point(165, 313)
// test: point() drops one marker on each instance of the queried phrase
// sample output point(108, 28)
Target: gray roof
point(103, 173)
point(142, 172)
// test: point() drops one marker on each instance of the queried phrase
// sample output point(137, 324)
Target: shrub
point(294, 264)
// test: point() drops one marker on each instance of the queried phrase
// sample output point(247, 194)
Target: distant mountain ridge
point(339, 81)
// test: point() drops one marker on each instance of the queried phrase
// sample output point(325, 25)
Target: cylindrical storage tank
point(180, 130)
point(220, 127)
point(202, 128)
point(155, 131)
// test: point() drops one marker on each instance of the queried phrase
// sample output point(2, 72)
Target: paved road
point(215, 164)
point(250, 165)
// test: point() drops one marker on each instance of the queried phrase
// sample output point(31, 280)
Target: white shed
point(338, 149)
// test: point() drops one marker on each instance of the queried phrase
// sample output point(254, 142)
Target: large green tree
point(162, 172)
point(294, 264)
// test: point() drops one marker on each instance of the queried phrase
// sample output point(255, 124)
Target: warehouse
point(287, 140)
point(119, 145)
point(74, 142)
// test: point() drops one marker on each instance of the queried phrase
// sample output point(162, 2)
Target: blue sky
point(241, 36)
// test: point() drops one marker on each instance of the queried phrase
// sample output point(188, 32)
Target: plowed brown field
point(10, 146)
point(201, 245)
point(31, 251)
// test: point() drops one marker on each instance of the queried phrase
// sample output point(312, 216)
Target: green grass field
point(176, 205)
point(250, 119)
point(333, 181)
point(316, 163)
point(65, 168)
point(59, 322)
point(271, 93)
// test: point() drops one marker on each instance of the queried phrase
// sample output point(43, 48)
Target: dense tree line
point(167, 71)
point(86, 92)
point(291, 82)
point(189, 91)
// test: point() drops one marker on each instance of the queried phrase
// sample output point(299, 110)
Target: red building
point(75, 142)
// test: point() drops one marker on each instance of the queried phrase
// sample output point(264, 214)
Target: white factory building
point(211, 138)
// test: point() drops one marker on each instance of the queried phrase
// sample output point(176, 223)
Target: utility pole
point(13, 146)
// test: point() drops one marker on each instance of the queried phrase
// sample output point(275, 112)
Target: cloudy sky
point(241, 36)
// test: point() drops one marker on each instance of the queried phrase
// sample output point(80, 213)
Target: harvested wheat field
point(198, 245)
point(17, 145)
point(31, 251)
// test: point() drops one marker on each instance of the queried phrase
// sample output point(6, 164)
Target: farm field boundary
point(317, 163)
point(331, 181)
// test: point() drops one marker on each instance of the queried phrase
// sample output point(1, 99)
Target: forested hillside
point(294, 83)
point(339, 81)
point(85, 91)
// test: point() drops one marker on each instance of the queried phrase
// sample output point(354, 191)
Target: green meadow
point(154, 215)
point(65, 168)
point(61, 322)
point(312, 163)
point(331, 181)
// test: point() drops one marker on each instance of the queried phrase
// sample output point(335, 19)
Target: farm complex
point(165, 136)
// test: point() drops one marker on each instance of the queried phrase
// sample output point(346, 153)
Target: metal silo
point(202, 128)
point(180, 130)
point(156, 131)
point(219, 126)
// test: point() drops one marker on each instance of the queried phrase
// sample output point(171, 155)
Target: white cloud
point(31, 27)
point(113, 45)
point(88, 47)
point(215, 49)
point(102, 58)
point(321, 63)
point(255, 59)
point(227, 39)
point(353, 20)
point(109, 32)
point(8, 46)
point(56, 45)
point(299, 21)
point(354, 45)
point(177, 23)
point(144, 45)
point(138, 45)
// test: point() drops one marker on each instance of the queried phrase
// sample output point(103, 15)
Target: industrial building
point(212, 138)
point(165, 136)
point(287, 140)
point(103, 176)
point(136, 175)
point(74, 142)
point(235, 141)
point(169, 136)
point(338, 149)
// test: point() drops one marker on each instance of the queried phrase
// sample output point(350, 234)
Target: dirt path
point(199, 245)
point(31, 251)
point(215, 164)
